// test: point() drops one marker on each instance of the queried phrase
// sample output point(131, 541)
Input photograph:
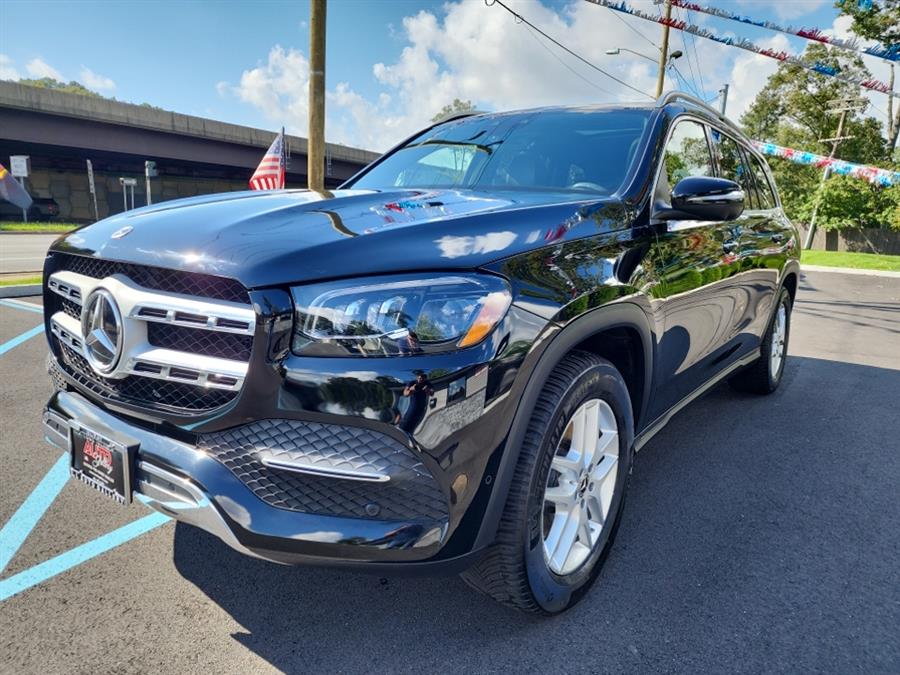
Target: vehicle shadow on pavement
point(760, 534)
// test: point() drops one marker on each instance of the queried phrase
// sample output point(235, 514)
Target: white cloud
point(7, 69)
point(279, 88)
point(472, 52)
point(38, 68)
point(92, 80)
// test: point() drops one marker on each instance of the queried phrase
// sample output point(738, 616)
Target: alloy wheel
point(580, 486)
point(779, 335)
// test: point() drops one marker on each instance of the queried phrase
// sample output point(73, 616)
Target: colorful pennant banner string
point(747, 45)
point(889, 53)
point(873, 174)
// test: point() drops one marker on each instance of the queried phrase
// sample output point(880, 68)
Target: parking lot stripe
point(29, 513)
point(27, 306)
point(16, 341)
point(65, 561)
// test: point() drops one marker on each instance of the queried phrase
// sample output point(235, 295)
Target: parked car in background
point(448, 363)
point(41, 209)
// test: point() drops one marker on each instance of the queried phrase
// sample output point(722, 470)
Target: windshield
point(577, 150)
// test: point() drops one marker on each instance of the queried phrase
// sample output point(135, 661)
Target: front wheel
point(567, 492)
point(764, 375)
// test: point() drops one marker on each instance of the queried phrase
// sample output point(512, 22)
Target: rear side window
point(687, 153)
point(763, 186)
point(733, 165)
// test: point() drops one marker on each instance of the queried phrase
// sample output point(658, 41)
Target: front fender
point(549, 350)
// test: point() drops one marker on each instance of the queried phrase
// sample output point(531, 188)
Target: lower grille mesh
point(411, 494)
point(142, 391)
point(198, 341)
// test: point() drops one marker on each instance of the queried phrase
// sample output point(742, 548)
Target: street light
point(618, 50)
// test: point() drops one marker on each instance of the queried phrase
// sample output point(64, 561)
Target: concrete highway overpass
point(59, 131)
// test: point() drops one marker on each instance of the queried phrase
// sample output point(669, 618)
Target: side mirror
point(704, 198)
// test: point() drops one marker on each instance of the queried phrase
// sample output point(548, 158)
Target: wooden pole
point(893, 122)
point(825, 174)
point(664, 52)
point(315, 154)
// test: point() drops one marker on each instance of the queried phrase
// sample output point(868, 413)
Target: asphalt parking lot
point(760, 534)
point(23, 253)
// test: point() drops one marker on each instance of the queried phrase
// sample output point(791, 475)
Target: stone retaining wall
point(71, 191)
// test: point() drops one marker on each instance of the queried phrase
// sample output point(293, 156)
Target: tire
point(761, 377)
point(515, 570)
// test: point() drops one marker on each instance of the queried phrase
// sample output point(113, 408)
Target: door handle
point(730, 246)
point(778, 237)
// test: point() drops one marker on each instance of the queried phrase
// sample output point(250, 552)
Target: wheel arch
point(611, 330)
point(790, 278)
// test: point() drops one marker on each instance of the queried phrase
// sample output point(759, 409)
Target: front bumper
point(192, 485)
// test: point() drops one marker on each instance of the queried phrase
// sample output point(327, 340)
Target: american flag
point(269, 175)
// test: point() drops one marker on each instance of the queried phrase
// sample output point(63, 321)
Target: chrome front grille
point(180, 352)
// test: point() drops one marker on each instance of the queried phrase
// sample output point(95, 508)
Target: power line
point(628, 25)
point(687, 85)
point(521, 18)
point(694, 44)
point(574, 72)
point(687, 53)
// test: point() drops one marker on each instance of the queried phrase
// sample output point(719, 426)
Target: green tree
point(458, 106)
point(72, 87)
point(792, 109)
point(880, 22)
point(850, 203)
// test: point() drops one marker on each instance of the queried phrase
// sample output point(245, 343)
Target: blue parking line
point(16, 341)
point(65, 561)
point(29, 513)
point(28, 307)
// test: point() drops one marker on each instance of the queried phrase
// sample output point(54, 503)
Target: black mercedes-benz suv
point(447, 363)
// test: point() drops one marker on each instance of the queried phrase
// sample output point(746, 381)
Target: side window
point(763, 187)
point(733, 166)
point(687, 153)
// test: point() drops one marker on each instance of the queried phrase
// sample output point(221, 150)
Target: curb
point(20, 291)
point(850, 270)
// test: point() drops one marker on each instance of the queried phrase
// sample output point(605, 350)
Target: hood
point(282, 237)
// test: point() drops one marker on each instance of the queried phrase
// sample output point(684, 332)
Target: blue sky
point(391, 63)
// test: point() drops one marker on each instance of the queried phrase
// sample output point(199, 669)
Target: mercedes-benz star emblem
point(121, 232)
point(101, 328)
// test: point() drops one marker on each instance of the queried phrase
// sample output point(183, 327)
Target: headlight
point(399, 315)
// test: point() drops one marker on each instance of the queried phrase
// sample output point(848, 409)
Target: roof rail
point(459, 114)
point(672, 96)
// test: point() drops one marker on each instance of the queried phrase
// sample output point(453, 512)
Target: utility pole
point(724, 92)
point(149, 172)
point(315, 168)
point(846, 105)
point(664, 52)
point(893, 122)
